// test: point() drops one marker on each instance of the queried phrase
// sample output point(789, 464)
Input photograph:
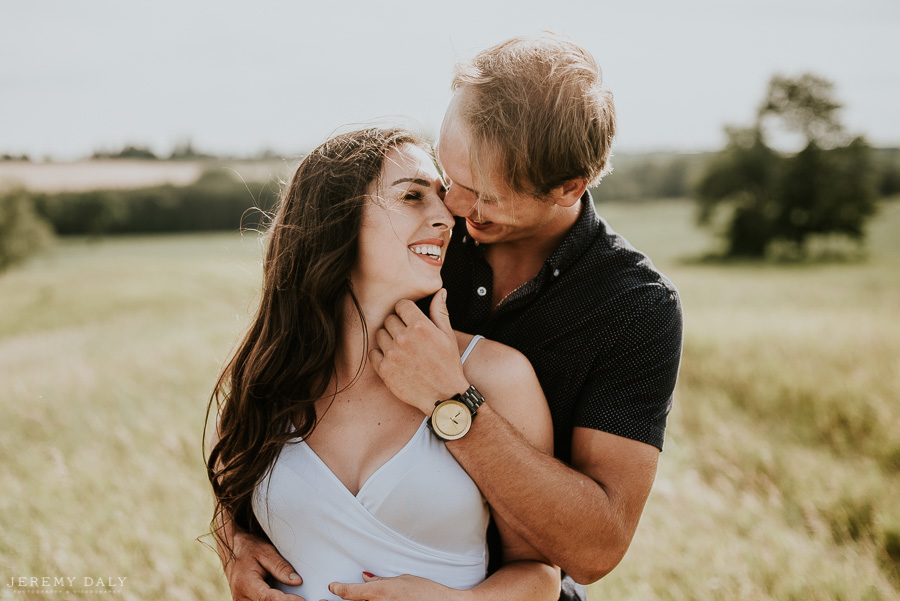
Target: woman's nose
point(442, 219)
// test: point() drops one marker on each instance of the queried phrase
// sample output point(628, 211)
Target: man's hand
point(417, 357)
point(253, 560)
point(401, 588)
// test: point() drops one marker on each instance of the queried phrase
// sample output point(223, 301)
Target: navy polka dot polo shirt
point(601, 326)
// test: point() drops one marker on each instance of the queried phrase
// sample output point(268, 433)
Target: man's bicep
point(625, 468)
point(629, 388)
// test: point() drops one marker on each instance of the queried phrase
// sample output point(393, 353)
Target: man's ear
point(570, 192)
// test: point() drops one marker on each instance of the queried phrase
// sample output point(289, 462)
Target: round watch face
point(451, 419)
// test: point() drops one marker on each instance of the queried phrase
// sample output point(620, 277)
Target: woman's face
point(405, 229)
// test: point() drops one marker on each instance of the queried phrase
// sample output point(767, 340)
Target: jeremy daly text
point(33, 582)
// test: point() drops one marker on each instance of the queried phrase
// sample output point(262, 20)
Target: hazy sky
point(238, 77)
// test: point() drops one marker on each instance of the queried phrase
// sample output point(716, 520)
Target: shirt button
point(481, 291)
point(465, 239)
point(555, 272)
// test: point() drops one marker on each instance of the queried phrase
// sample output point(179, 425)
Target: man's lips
point(479, 225)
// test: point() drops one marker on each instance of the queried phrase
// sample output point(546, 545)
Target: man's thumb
point(439, 314)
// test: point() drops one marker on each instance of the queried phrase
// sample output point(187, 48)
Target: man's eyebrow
point(415, 180)
point(465, 188)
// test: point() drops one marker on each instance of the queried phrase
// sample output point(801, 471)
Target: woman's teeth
point(427, 249)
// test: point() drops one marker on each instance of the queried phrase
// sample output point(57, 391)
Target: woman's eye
point(413, 196)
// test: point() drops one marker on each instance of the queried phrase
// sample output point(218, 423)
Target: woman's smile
point(404, 216)
point(429, 251)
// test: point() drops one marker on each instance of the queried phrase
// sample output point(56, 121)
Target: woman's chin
point(423, 292)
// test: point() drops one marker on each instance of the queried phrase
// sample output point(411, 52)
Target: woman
point(312, 449)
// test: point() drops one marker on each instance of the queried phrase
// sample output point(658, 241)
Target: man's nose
point(460, 201)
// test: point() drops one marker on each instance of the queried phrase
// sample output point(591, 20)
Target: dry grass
point(109, 351)
point(779, 478)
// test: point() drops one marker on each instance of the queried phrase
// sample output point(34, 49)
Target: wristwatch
point(452, 418)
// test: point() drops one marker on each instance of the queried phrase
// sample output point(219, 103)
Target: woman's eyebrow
point(415, 180)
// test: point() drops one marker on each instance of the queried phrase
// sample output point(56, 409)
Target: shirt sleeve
point(629, 391)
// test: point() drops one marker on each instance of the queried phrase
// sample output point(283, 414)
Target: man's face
point(512, 217)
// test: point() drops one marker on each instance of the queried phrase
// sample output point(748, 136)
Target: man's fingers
point(408, 311)
point(277, 566)
point(394, 325)
point(383, 340)
point(376, 357)
point(253, 561)
point(258, 590)
point(439, 314)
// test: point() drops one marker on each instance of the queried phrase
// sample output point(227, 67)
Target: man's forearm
point(563, 513)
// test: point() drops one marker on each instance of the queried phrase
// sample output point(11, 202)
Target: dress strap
point(469, 348)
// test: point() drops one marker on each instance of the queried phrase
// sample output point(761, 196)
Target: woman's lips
point(429, 250)
point(430, 260)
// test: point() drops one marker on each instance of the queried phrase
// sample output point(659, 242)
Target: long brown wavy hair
point(287, 358)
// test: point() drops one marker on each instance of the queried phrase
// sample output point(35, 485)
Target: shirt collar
point(578, 238)
point(573, 245)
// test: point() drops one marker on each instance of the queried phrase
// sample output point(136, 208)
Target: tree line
point(216, 201)
point(755, 195)
point(184, 151)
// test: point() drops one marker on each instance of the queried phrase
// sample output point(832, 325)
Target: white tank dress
point(420, 513)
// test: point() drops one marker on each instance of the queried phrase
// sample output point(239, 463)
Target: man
point(531, 265)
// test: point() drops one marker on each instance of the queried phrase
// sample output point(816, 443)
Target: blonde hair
point(536, 113)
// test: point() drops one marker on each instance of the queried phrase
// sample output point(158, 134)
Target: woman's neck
point(358, 338)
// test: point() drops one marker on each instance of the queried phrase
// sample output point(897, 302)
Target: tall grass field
point(780, 477)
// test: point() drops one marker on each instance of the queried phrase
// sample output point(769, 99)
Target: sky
point(241, 77)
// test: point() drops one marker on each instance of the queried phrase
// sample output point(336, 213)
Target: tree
point(22, 231)
point(826, 191)
point(186, 151)
point(826, 188)
point(128, 152)
point(804, 105)
point(744, 175)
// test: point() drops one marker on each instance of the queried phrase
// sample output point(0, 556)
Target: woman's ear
point(569, 192)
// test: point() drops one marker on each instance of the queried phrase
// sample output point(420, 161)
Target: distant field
point(779, 479)
point(125, 173)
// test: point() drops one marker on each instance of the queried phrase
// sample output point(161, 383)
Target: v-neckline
point(422, 427)
point(371, 478)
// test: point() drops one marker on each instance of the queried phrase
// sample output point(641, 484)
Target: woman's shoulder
point(492, 357)
point(507, 381)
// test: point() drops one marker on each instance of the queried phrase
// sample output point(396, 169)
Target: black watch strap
point(471, 398)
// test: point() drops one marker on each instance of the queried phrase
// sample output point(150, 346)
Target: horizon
point(101, 75)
